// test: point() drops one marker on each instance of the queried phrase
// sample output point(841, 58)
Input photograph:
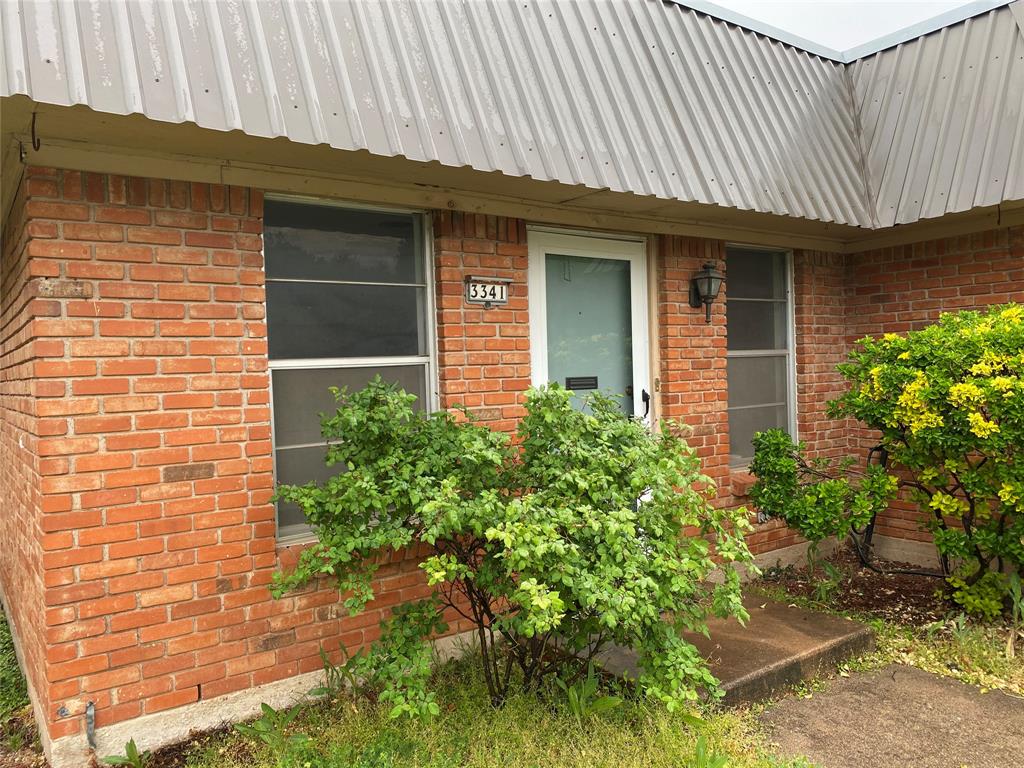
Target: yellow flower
point(989, 364)
point(903, 356)
point(913, 410)
point(981, 426)
point(966, 393)
point(1012, 314)
point(1004, 384)
point(1010, 495)
point(891, 337)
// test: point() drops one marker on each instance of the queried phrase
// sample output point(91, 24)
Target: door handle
point(646, 397)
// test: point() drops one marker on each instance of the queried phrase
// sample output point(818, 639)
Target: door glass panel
point(589, 326)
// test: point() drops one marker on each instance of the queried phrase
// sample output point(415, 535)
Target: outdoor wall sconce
point(704, 288)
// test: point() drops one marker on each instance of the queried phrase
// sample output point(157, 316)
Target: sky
point(840, 24)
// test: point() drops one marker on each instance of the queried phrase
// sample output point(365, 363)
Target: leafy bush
point(948, 401)
point(577, 535)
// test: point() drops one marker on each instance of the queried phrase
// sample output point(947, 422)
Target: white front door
point(588, 316)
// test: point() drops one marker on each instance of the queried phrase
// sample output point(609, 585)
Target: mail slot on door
point(580, 382)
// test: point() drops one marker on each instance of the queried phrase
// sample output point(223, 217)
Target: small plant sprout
point(272, 729)
point(703, 757)
point(583, 699)
point(131, 757)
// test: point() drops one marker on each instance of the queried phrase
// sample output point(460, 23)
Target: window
point(347, 299)
point(759, 361)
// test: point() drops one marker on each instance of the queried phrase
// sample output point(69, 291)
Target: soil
point(174, 755)
point(896, 597)
point(19, 742)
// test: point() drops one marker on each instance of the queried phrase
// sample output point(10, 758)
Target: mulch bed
point(174, 755)
point(896, 597)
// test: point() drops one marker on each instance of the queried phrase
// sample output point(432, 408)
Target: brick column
point(154, 423)
point(693, 376)
point(483, 354)
point(21, 567)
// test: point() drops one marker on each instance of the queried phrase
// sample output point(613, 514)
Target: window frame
point(790, 351)
point(428, 361)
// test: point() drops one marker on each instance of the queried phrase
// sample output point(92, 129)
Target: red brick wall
point(895, 290)
point(483, 354)
point(154, 444)
point(21, 570)
point(136, 429)
point(693, 377)
point(821, 294)
point(694, 385)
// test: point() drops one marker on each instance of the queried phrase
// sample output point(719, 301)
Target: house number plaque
point(489, 291)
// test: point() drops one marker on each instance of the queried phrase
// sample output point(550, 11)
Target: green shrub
point(544, 545)
point(948, 402)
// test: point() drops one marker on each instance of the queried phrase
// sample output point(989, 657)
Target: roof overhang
point(79, 138)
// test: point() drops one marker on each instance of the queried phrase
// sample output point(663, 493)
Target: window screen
point(346, 300)
point(759, 355)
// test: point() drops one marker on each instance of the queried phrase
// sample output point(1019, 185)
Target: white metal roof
point(638, 96)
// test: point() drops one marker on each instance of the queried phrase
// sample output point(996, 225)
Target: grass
point(13, 691)
point(526, 732)
point(17, 728)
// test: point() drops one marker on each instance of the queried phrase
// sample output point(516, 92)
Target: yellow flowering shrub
point(948, 401)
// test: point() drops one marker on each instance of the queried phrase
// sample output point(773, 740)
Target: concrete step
point(780, 646)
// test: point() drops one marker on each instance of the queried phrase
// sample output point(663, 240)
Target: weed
point(583, 698)
point(131, 757)
point(272, 729)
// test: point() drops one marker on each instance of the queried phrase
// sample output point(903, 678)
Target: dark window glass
point(300, 395)
point(323, 242)
point(754, 274)
point(756, 325)
point(317, 320)
point(757, 312)
point(341, 283)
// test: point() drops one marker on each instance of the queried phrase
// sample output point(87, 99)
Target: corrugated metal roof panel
point(635, 96)
point(639, 96)
point(942, 119)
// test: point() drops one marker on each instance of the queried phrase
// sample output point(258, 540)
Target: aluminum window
point(760, 348)
point(348, 297)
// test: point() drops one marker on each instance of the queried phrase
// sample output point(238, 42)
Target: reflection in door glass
point(589, 326)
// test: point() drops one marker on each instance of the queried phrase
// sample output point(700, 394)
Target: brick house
point(212, 213)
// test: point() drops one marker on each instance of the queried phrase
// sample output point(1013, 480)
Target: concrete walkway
point(780, 646)
point(901, 717)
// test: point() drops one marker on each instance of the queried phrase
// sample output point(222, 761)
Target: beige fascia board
point(1008, 214)
point(81, 139)
point(734, 226)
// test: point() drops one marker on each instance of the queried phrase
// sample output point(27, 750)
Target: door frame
point(632, 249)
